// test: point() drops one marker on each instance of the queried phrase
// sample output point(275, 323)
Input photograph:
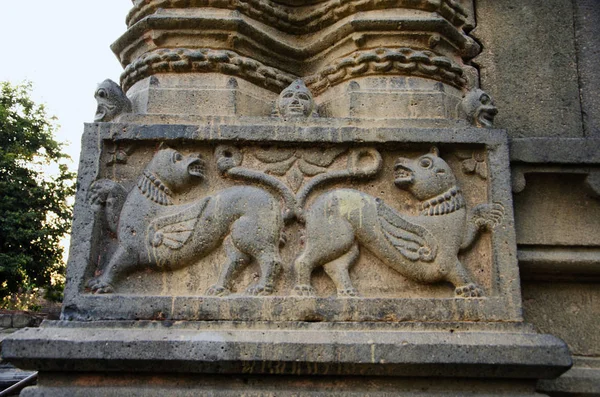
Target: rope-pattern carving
point(182, 60)
point(402, 61)
point(288, 19)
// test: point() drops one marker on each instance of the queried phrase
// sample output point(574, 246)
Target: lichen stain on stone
point(348, 203)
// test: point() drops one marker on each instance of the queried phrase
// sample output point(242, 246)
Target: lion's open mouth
point(402, 175)
point(196, 168)
point(486, 116)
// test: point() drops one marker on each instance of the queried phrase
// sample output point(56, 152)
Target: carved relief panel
point(210, 230)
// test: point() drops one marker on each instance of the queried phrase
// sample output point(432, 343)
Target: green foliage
point(34, 209)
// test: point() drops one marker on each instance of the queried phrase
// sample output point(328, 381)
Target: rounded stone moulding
point(347, 52)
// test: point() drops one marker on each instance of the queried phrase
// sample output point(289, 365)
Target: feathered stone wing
point(411, 240)
point(174, 231)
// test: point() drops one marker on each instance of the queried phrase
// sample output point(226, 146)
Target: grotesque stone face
point(479, 108)
point(111, 101)
point(296, 101)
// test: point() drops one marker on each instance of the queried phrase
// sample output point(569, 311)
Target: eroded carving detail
point(112, 102)
point(229, 161)
point(423, 248)
point(154, 231)
point(204, 60)
point(473, 163)
point(400, 61)
point(288, 19)
point(296, 101)
point(479, 108)
point(119, 154)
point(302, 162)
point(295, 164)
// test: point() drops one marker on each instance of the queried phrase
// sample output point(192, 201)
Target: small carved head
point(479, 108)
point(174, 169)
point(426, 176)
point(296, 101)
point(111, 101)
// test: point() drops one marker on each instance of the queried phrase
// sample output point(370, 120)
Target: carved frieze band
point(290, 20)
point(182, 60)
point(380, 61)
point(400, 61)
point(155, 230)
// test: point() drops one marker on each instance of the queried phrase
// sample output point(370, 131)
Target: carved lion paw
point(217, 290)
point(348, 292)
point(99, 286)
point(304, 290)
point(469, 291)
point(488, 215)
point(260, 290)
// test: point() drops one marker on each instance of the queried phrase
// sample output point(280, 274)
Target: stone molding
point(500, 351)
point(417, 40)
point(388, 61)
point(204, 61)
point(401, 61)
point(306, 19)
point(559, 263)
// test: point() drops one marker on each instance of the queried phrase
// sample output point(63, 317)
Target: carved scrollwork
point(296, 164)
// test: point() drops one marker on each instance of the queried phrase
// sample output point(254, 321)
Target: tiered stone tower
point(293, 198)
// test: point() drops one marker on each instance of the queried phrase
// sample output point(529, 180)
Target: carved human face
point(480, 108)
point(296, 101)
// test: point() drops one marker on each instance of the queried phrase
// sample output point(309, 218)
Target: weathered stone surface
point(577, 303)
point(112, 102)
point(287, 386)
point(223, 230)
point(156, 268)
point(552, 199)
point(368, 349)
point(582, 380)
point(528, 65)
point(587, 31)
point(559, 263)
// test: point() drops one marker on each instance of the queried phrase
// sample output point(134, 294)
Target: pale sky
point(63, 48)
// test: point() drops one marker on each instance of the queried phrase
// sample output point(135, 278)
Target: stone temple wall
point(540, 63)
point(337, 198)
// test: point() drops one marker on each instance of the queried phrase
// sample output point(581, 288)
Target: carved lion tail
point(229, 159)
point(357, 167)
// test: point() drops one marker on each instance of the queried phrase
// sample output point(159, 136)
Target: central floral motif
point(295, 164)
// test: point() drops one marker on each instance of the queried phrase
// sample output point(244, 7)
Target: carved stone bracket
point(592, 180)
point(558, 156)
